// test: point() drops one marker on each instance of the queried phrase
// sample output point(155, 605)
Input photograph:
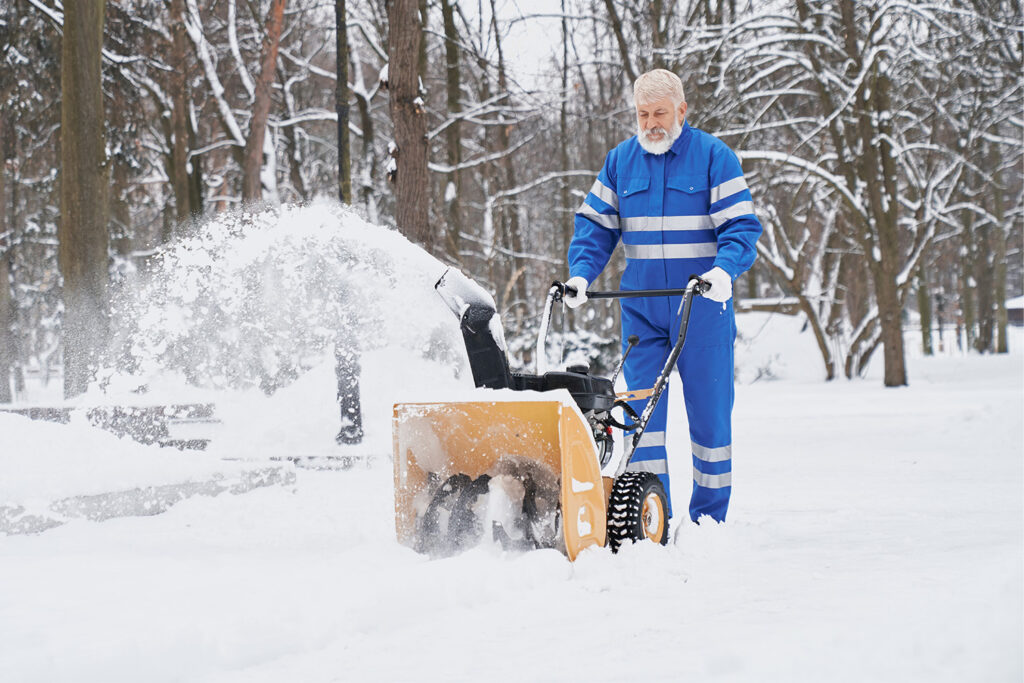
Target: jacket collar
point(679, 146)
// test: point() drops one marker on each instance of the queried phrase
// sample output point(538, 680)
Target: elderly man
point(677, 198)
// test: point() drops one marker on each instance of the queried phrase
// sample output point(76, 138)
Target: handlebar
point(698, 284)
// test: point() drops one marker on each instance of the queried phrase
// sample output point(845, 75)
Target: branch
point(834, 181)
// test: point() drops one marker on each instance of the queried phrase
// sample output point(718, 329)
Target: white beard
point(660, 146)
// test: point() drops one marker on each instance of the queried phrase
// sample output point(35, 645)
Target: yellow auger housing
point(544, 445)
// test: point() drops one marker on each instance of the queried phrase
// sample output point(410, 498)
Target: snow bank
point(42, 462)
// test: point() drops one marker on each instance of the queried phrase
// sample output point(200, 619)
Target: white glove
point(721, 285)
point(580, 297)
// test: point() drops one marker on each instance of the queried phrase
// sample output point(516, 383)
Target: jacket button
point(691, 187)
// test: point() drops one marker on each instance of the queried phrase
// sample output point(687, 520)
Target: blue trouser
point(706, 369)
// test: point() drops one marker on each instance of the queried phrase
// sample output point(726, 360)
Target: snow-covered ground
point(874, 535)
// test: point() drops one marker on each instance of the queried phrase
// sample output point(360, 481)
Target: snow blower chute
point(530, 466)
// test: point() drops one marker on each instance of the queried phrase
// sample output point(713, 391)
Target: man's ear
point(682, 113)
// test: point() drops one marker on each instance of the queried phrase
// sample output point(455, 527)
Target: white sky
point(532, 45)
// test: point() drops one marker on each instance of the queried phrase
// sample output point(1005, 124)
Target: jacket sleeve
point(596, 229)
point(732, 211)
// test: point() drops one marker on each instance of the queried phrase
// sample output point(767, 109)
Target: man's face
point(659, 124)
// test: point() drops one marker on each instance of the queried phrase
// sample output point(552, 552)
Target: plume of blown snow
point(254, 298)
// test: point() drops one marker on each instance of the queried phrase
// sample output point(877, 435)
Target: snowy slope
point(874, 535)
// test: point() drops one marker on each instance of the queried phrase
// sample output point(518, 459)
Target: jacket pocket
point(633, 196)
point(687, 195)
point(630, 186)
point(691, 184)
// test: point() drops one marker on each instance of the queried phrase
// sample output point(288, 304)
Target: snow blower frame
point(530, 464)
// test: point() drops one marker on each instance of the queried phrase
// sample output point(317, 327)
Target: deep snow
point(874, 534)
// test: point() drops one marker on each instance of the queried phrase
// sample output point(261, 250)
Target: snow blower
point(532, 464)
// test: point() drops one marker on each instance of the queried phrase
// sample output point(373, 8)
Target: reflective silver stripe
point(712, 454)
point(652, 466)
point(738, 209)
point(663, 251)
point(605, 194)
point(711, 481)
point(606, 220)
point(728, 188)
point(651, 439)
point(649, 223)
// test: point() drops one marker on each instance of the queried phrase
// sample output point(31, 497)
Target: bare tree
point(178, 92)
point(453, 134)
point(341, 102)
point(255, 144)
point(83, 235)
point(6, 300)
point(405, 34)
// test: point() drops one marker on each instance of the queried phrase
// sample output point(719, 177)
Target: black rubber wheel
point(637, 510)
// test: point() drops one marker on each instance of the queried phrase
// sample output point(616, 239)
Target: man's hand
point(580, 297)
point(721, 285)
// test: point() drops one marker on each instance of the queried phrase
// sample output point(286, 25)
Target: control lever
point(631, 342)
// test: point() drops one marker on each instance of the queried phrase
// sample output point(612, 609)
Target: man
point(677, 198)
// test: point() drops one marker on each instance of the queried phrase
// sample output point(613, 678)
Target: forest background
point(881, 141)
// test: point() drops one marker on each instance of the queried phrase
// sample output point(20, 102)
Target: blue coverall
point(678, 214)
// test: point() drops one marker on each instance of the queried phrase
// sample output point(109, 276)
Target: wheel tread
point(625, 507)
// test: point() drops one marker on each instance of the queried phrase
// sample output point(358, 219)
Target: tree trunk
point(367, 195)
point(179, 114)
point(341, 103)
point(924, 308)
point(422, 59)
point(82, 233)
point(999, 288)
point(565, 216)
point(366, 190)
point(195, 174)
point(11, 223)
point(453, 134)
point(890, 309)
point(657, 39)
point(998, 234)
point(985, 287)
point(120, 210)
point(6, 316)
point(6, 300)
point(881, 240)
point(889, 312)
point(252, 161)
point(409, 119)
point(967, 282)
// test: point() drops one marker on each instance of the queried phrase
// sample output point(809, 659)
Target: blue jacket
point(677, 214)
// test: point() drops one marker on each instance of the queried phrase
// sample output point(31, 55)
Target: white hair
point(658, 84)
